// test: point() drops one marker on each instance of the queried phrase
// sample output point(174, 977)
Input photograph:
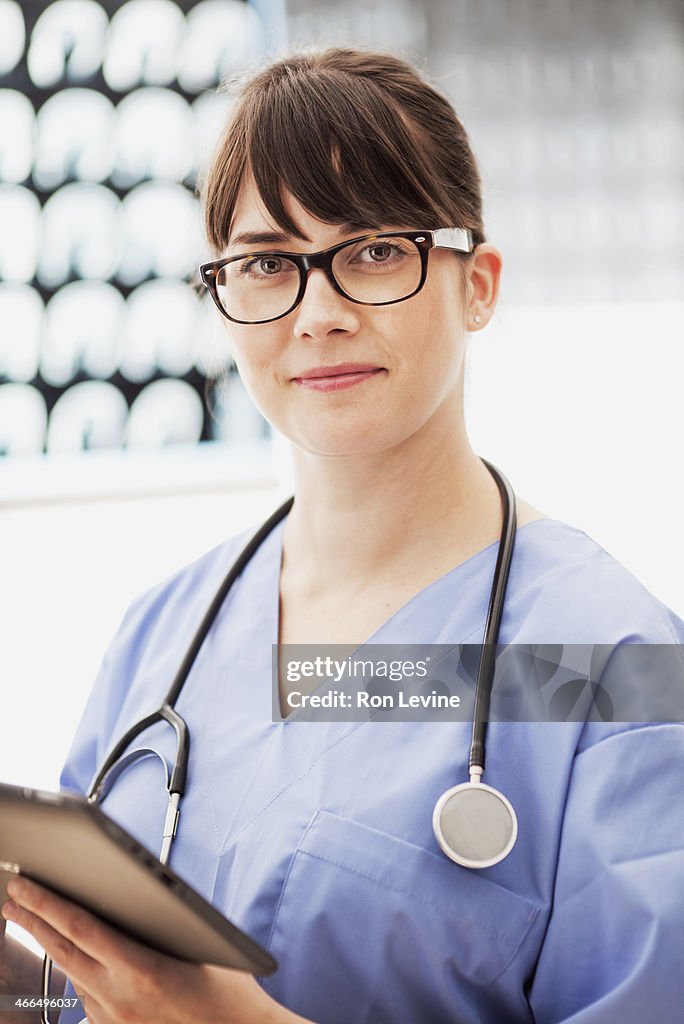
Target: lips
point(338, 378)
point(340, 370)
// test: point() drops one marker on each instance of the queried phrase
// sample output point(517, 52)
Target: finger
point(93, 1012)
point(76, 964)
point(84, 930)
point(72, 961)
point(91, 1008)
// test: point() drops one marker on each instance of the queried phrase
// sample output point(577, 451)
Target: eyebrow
point(280, 238)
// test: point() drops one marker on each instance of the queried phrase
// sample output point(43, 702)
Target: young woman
point(317, 838)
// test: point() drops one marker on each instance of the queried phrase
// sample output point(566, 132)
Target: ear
point(483, 273)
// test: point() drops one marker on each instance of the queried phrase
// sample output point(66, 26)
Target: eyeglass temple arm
point(453, 238)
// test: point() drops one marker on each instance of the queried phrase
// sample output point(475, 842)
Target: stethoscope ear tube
point(213, 609)
point(114, 764)
point(485, 675)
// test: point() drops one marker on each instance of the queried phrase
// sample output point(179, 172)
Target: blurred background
point(128, 445)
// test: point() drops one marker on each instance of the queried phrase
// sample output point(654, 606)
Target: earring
point(477, 318)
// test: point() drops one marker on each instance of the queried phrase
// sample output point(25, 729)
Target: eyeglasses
point(373, 270)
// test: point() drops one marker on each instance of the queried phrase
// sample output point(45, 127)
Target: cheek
point(262, 364)
point(263, 389)
point(257, 360)
point(428, 347)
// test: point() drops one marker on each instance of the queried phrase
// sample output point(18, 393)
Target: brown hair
point(356, 136)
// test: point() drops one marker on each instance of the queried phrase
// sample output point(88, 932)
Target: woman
point(317, 839)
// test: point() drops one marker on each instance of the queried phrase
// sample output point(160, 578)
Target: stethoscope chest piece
point(475, 825)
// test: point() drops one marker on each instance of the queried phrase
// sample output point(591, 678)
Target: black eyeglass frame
point(457, 239)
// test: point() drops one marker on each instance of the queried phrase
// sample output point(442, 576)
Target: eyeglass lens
point(264, 286)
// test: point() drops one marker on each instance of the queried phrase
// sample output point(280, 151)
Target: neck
point(356, 518)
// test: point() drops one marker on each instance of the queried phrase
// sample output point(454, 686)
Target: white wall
point(584, 410)
point(70, 568)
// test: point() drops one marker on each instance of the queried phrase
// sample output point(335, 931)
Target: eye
point(261, 267)
point(271, 264)
point(266, 265)
point(380, 251)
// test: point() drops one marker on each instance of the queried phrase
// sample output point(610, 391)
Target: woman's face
point(418, 346)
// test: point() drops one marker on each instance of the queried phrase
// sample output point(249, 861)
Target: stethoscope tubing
point(176, 783)
point(485, 675)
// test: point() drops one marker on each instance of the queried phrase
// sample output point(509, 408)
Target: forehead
point(250, 211)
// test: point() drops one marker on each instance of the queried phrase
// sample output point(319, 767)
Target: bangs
point(336, 156)
point(343, 155)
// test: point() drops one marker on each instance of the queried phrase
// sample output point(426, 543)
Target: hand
point(120, 980)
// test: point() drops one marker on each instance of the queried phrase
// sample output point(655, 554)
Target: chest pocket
point(370, 928)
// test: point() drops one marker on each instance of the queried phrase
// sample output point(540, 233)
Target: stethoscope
point(474, 824)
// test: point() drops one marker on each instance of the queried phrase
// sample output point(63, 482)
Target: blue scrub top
point(316, 838)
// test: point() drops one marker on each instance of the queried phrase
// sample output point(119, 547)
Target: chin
point(338, 440)
point(359, 429)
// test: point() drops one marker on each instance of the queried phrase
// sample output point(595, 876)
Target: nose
point(323, 311)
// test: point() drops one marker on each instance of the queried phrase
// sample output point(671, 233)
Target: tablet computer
point(71, 846)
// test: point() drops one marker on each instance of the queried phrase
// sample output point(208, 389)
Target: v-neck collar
point(470, 568)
